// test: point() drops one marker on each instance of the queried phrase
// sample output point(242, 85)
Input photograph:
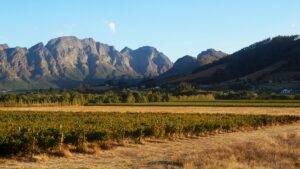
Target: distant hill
point(67, 61)
point(188, 64)
point(276, 59)
point(209, 56)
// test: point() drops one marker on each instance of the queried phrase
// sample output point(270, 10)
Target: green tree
point(184, 87)
point(66, 98)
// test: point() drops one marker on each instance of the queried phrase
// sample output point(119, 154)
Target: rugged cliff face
point(69, 59)
point(147, 61)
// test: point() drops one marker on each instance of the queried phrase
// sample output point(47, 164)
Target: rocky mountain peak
point(38, 46)
point(146, 51)
point(149, 61)
point(187, 64)
point(3, 46)
point(211, 52)
point(126, 50)
point(67, 61)
point(187, 58)
point(210, 55)
point(183, 65)
point(88, 40)
point(64, 42)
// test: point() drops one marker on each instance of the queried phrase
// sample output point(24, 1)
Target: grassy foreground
point(278, 151)
point(24, 133)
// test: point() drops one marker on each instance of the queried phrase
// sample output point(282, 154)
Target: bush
point(94, 135)
point(49, 138)
point(17, 143)
point(76, 137)
point(184, 87)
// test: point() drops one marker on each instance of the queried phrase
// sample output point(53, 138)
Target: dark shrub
point(48, 139)
point(92, 136)
point(17, 143)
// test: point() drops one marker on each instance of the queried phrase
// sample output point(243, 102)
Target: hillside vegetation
point(275, 59)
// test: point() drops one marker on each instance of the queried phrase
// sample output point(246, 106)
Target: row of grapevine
point(35, 132)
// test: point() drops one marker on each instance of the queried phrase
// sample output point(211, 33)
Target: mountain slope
point(271, 59)
point(188, 64)
point(182, 66)
point(68, 61)
point(147, 61)
point(209, 56)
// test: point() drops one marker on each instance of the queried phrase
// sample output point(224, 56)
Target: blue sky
point(175, 27)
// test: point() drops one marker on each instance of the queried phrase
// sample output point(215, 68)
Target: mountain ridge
point(65, 62)
point(71, 59)
point(187, 64)
point(273, 59)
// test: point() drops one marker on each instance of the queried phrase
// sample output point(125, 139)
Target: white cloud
point(112, 26)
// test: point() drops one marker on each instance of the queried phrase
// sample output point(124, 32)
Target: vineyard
point(23, 133)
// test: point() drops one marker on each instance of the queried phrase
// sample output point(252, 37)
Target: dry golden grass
point(282, 151)
point(166, 109)
point(63, 151)
point(40, 158)
point(88, 148)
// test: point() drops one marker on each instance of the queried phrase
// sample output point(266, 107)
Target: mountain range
point(273, 59)
point(187, 64)
point(66, 62)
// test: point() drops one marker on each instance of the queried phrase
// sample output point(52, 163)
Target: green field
point(27, 132)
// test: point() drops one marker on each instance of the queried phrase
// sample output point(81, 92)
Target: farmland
point(134, 134)
point(277, 145)
point(33, 132)
point(161, 109)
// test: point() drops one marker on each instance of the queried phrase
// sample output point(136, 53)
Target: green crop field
point(27, 132)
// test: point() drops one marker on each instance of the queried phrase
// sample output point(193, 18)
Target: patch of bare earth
point(163, 109)
point(273, 147)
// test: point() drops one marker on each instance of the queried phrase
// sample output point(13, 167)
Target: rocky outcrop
point(209, 56)
point(71, 59)
point(187, 64)
point(147, 61)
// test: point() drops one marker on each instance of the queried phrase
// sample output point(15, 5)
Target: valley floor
point(183, 152)
point(164, 109)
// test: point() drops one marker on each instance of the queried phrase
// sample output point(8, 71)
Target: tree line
point(182, 92)
point(77, 98)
